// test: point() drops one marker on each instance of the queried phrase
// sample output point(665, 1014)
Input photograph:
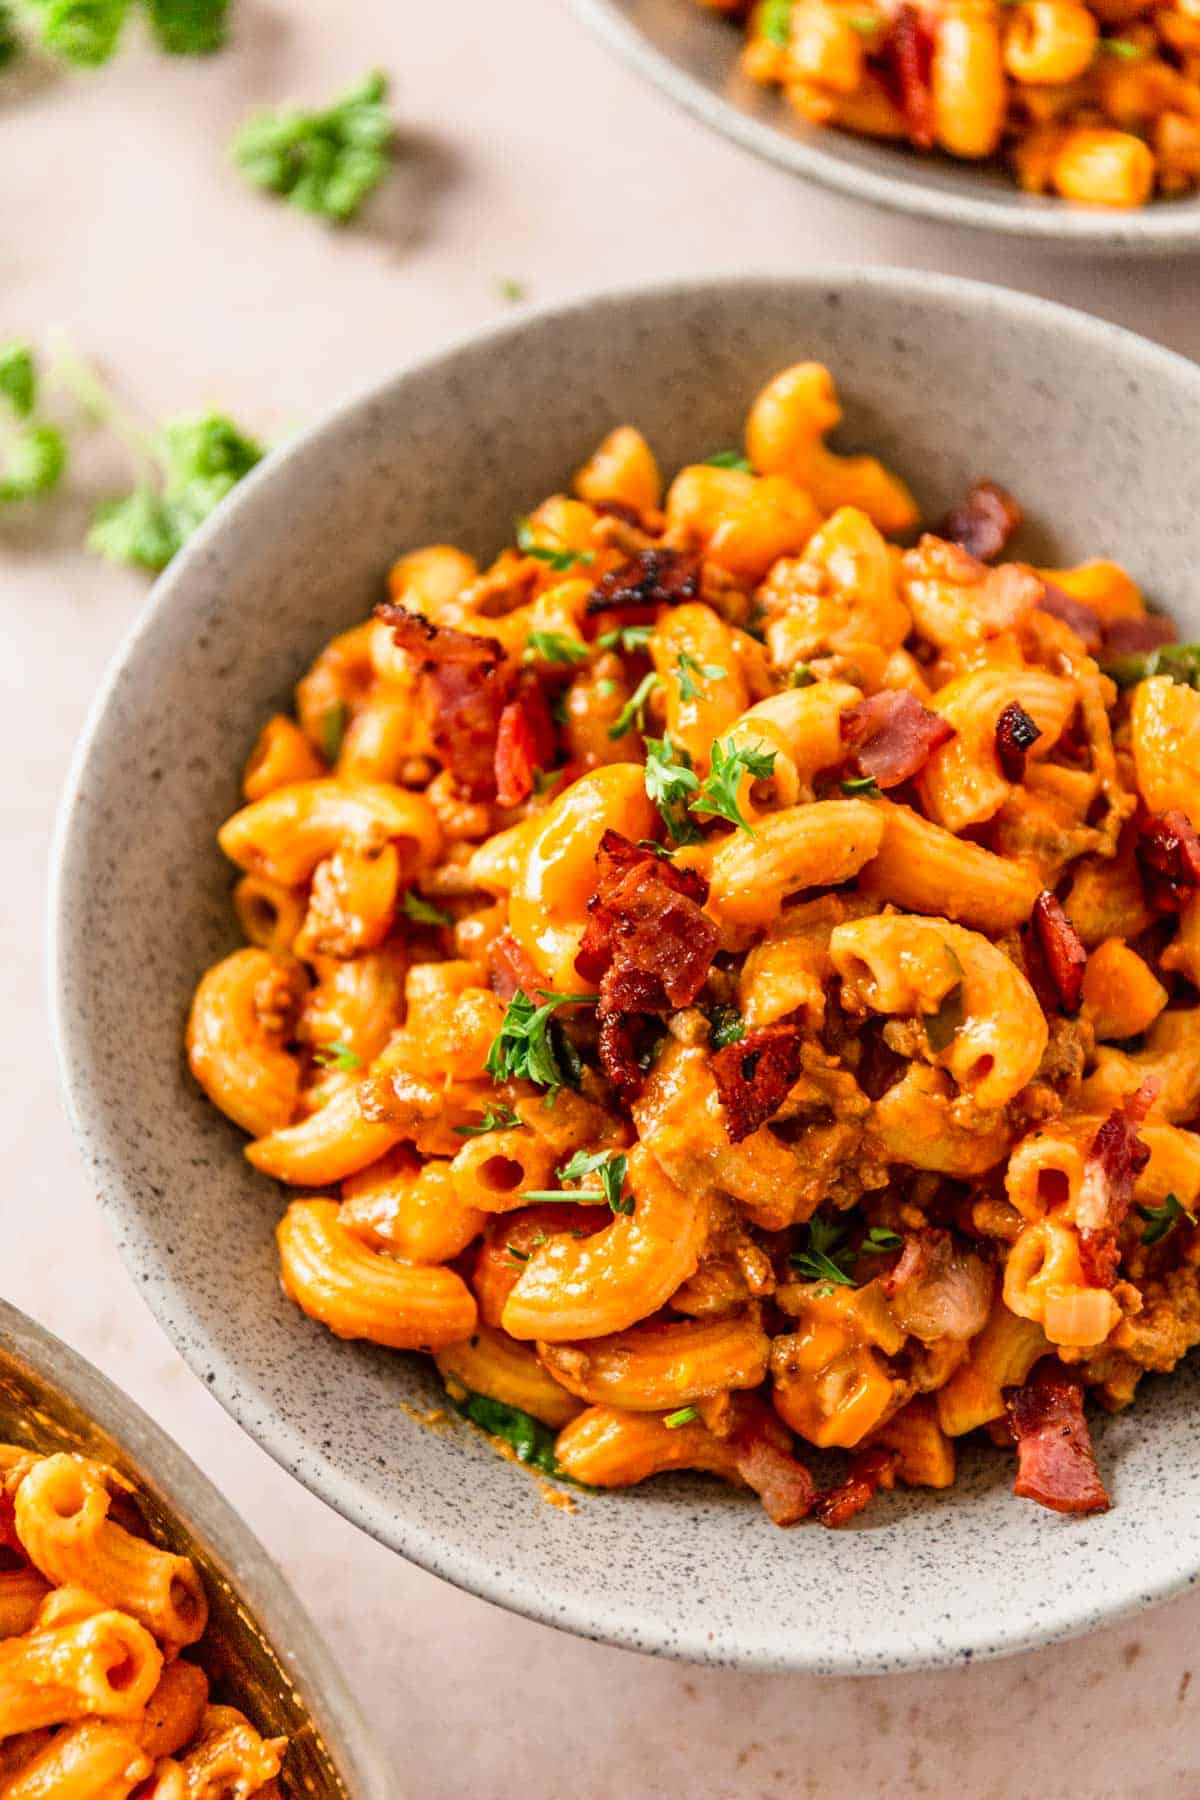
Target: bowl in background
point(692, 54)
point(260, 1650)
point(1093, 428)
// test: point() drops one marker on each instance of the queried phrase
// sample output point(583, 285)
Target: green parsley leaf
point(496, 1118)
point(801, 675)
point(532, 1441)
point(1180, 661)
point(325, 163)
point(84, 32)
point(188, 27)
point(334, 721)
point(523, 1046)
point(865, 785)
point(558, 560)
point(633, 713)
point(689, 668)
point(509, 289)
point(670, 778)
point(825, 1258)
point(556, 647)
point(725, 1026)
point(18, 378)
point(33, 463)
point(10, 43)
point(611, 1166)
point(520, 1256)
point(684, 1416)
point(337, 1056)
point(138, 530)
point(880, 1238)
point(545, 779)
point(775, 21)
point(719, 793)
point(629, 638)
point(200, 460)
point(422, 911)
point(731, 459)
point(1122, 48)
point(606, 686)
point(1162, 1220)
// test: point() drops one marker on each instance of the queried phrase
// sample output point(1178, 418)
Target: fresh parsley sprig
point(611, 1166)
point(560, 560)
point(828, 1258)
point(1180, 661)
point(689, 669)
point(87, 32)
point(633, 713)
point(496, 1118)
point(325, 163)
point(187, 469)
point(731, 459)
point(422, 911)
point(670, 780)
point(524, 1047)
point(629, 638)
point(718, 795)
point(189, 27)
point(556, 647)
point(1162, 1220)
point(725, 1026)
point(337, 1056)
point(33, 452)
point(865, 786)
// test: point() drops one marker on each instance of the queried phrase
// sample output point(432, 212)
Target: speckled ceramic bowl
point(692, 55)
point(260, 1650)
point(1095, 430)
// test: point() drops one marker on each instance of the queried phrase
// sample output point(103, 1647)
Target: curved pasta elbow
point(605, 1447)
point(236, 1039)
point(292, 829)
point(818, 844)
point(655, 1367)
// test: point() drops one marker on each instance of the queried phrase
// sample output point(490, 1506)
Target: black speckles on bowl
point(990, 383)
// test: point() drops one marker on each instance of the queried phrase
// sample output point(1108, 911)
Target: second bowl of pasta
point(703, 933)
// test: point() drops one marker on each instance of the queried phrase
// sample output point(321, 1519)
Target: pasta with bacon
point(749, 1007)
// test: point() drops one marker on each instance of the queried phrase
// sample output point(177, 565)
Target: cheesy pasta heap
point(1098, 101)
point(730, 979)
point(96, 1700)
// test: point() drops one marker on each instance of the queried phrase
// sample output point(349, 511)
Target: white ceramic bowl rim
point(477, 1566)
point(1161, 228)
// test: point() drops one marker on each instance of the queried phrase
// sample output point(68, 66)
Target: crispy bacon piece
point(1168, 855)
point(1132, 637)
point(467, 689)
point(1055, 1464)
point(753, 1077)
point(892, 735)
point(984, 521)
point(762, 1446)
point(651, 578)
point(870, 1470)
point(510, 968)
point(1062, 948)
point(1115, 1159)
point(524, 742)
point(1084, 622)
point(910, 55)
point(1016, 734)
point(647, 946)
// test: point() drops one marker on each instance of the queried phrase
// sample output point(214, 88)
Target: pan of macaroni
point(695, 986)
point(1075, 121)
point(148, 1649)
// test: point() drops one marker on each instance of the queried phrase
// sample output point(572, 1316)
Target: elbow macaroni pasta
point(753, 1056)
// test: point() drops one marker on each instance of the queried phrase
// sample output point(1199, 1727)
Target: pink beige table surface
point(525, 155)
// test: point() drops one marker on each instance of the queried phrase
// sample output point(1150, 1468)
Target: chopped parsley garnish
point(334, 721)
point(827, 1258)
point(684, 1416)
point(558, 560)
point(1162, 1220)
point(610, 1165)
point(880, 1238)
point(520, 1256)
point(33, 453)
point(87, 32)
point(531, 1441)
point(633, 713)
point(422, 911)
point(689, 669)
point(545, 779)
point(1180, 661)
point(670, 779)
point(197, 462)
point(557, 647)
point(496, 1118)
point(337, 1056)
point(731, 459)
point(606, 686)
point(18, 378)
point(509, 288)
point(325, 163)
point(627, 637)
point(719, 793)
point(801, 675)
point(526, 1047)
point(1122, 48)
point(775, 22)
point(726, 1026)
point(866, 785)
point(188, 27)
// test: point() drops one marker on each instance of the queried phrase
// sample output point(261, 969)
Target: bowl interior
point(51, 1400)
point(1094, 429)
point(693, 54)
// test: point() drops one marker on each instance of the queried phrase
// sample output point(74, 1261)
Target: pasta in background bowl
point(946, 381)
point(182, 1665)
point(1137, 116)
